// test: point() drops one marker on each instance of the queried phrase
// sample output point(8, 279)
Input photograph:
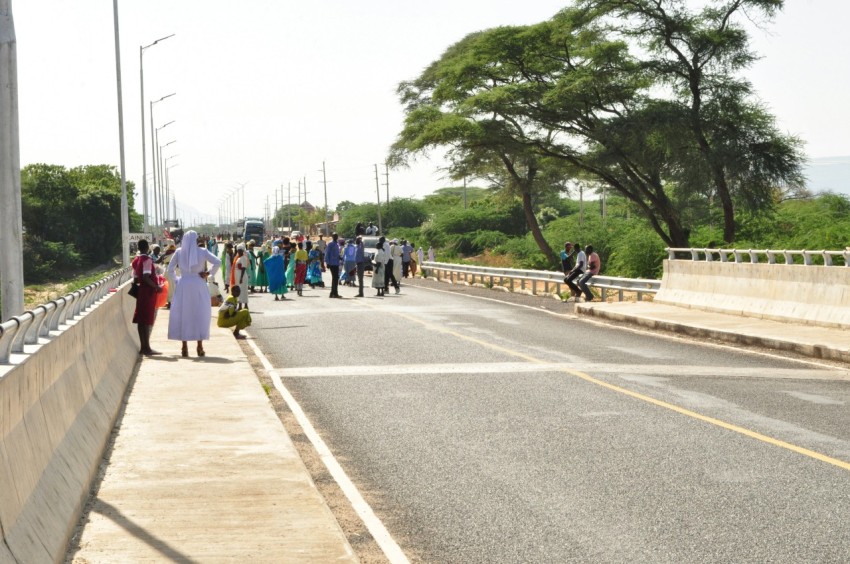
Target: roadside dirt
point(361, 541)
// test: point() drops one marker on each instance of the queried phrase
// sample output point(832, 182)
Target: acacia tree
point(441, 112)
point(669, 129)
point(527, 95)
point(724, 140)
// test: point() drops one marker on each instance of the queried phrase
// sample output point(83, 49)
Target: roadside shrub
point(474, 243)
point(47, 260)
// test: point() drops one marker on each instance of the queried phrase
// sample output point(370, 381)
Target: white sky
point(268, 89)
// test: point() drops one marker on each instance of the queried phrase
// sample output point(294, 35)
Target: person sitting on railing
point(567, 258)
point(576, 272)
point(593, 266)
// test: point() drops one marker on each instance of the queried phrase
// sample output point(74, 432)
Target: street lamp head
point(163, 98)
point(158, 40)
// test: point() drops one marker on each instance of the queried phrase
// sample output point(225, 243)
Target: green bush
point(476, 242)
point(637, 253)
point(47, 260)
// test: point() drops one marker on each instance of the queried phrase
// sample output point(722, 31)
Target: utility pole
point(464, 192)
point(125, 212)
point(580, 206)
point(378, 190)
point(387, 184)
point(325, 182)
point(12, 241)
point(289, 204)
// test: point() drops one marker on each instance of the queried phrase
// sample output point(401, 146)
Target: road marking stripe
point(377, 529)
point(656, 370)
point(681, 410)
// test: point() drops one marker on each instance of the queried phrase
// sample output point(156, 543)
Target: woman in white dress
point(191, 311)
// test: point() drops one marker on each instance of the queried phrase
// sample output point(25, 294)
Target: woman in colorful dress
point(300, 267)
point(274, 267)
point(230, 316)
point(314, 266)
point(252, 265)
point(289, 260)
point(239, 274)
point(262, 275)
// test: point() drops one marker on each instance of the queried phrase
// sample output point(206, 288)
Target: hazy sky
point(269, 89)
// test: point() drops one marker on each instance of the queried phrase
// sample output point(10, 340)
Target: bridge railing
point(39, 322)
point(767, 256)
point(534, 280)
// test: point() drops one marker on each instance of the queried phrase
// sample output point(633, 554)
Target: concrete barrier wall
point(815, 295)
point(57, 410)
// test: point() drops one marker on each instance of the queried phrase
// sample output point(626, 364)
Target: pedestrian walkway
point(808, 340)
point(202, 470)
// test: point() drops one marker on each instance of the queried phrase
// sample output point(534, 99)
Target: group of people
point(274, 266)
point(579, 267)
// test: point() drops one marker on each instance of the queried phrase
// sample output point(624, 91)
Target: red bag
point(162, 297)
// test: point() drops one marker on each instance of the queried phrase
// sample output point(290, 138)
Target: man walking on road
point(332, 262)
point(360, 260)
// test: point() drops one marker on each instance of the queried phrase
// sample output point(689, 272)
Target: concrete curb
point(805, 340)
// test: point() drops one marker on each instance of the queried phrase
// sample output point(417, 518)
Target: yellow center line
point(666, 405)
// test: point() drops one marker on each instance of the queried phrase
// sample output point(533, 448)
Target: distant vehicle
point(173, 230)
point(370, 250)
point(254, 230)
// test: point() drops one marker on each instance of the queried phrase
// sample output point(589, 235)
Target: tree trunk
point(531, 220)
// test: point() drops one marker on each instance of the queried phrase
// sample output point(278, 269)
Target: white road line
point(388, 545)
point(622, 370)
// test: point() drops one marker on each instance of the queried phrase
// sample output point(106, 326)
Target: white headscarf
point(189, 252)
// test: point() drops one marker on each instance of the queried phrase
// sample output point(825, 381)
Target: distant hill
point(828, 174)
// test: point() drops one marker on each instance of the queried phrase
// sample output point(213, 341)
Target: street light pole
point(144, 156)
point(168, 185)
point(12, 240)
point(378, 190)
point(156, 198)
point(325, 183)
point(125, 219)
point(162, 190)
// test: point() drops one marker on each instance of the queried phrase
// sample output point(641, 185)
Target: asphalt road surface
point(486, 431)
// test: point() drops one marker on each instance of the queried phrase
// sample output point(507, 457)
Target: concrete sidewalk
point(202, 470)
point(806, 340)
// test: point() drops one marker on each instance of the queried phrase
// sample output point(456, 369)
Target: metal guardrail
point(39, 322)
point(530, 280)
point(761, 256)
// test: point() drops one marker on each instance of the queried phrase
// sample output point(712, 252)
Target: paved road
point(481, 431)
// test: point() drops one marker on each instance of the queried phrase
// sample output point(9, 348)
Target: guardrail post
point(694, 254)
point(44, 327)
point(25, 320)
point(827, 258)
point(8, 330)
point(39, 314)
point(534, 287)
